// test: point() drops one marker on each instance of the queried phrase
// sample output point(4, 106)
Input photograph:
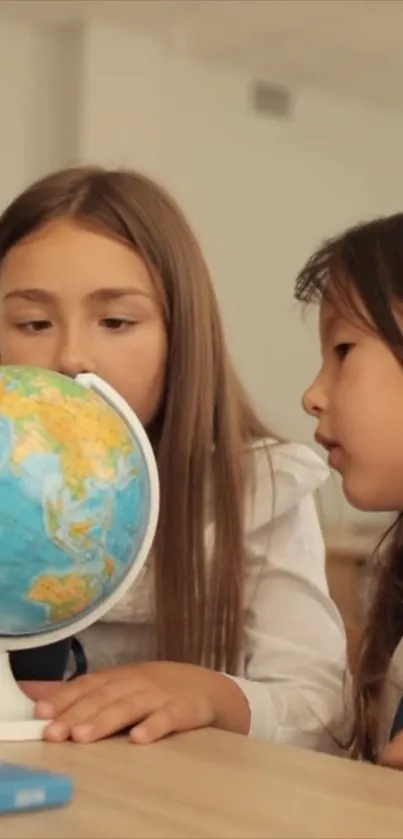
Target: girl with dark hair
point(357, 400)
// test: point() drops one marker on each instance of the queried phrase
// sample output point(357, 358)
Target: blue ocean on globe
point(74, 500)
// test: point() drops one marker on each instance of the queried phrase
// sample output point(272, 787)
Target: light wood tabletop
point(209, 784)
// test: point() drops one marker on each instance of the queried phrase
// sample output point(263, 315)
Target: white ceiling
point(347, 47)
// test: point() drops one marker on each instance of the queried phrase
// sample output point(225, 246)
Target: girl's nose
point(74, 358)
point(314, 399)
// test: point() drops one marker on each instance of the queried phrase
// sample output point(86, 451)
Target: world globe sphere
point(78, 505)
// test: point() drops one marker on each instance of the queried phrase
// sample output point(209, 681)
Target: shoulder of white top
point(289, 470)
point(287, 456)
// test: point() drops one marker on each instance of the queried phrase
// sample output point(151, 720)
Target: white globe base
point(17, 720)
point(22, 731)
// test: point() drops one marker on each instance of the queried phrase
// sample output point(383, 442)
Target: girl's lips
point(327, 442)
point(335, 457)
point(335, 451)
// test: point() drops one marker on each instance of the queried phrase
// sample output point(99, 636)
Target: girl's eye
point(117, 324)
point(342, 350)
point(35, 326)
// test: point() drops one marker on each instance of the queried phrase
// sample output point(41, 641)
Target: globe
point(78, 513)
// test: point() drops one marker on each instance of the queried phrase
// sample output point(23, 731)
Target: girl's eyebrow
point(103, 294)
point(116, 293)
point(35, 294)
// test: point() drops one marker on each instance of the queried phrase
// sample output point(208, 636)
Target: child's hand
point(393, 753)
point(153, 699)
point(39, 690)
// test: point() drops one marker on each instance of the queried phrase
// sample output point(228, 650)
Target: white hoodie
point(293, 657)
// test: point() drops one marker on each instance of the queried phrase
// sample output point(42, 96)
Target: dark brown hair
point(362, 271)
point(206, 418)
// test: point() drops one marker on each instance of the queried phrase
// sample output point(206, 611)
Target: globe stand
point(17, 720)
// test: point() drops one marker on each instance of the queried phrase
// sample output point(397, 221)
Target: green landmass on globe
point(73, 499)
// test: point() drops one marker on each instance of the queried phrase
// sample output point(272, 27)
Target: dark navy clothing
point(45, 664)
point(397, 726)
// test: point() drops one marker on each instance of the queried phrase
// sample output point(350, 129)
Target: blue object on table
point(397, 726)
point(23, 788)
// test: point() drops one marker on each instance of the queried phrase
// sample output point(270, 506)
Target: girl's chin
point(362, 496)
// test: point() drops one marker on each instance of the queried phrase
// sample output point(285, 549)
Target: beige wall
point(260, 193)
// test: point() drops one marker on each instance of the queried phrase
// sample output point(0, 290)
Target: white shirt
point(293, 658)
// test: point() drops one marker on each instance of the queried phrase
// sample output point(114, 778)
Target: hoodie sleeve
point(294, 662)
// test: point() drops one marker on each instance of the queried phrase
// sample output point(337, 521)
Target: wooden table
point(210, 784)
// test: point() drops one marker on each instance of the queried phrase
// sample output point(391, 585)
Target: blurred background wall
point(172, 89)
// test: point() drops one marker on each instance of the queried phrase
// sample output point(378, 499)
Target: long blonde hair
point(205, 420)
